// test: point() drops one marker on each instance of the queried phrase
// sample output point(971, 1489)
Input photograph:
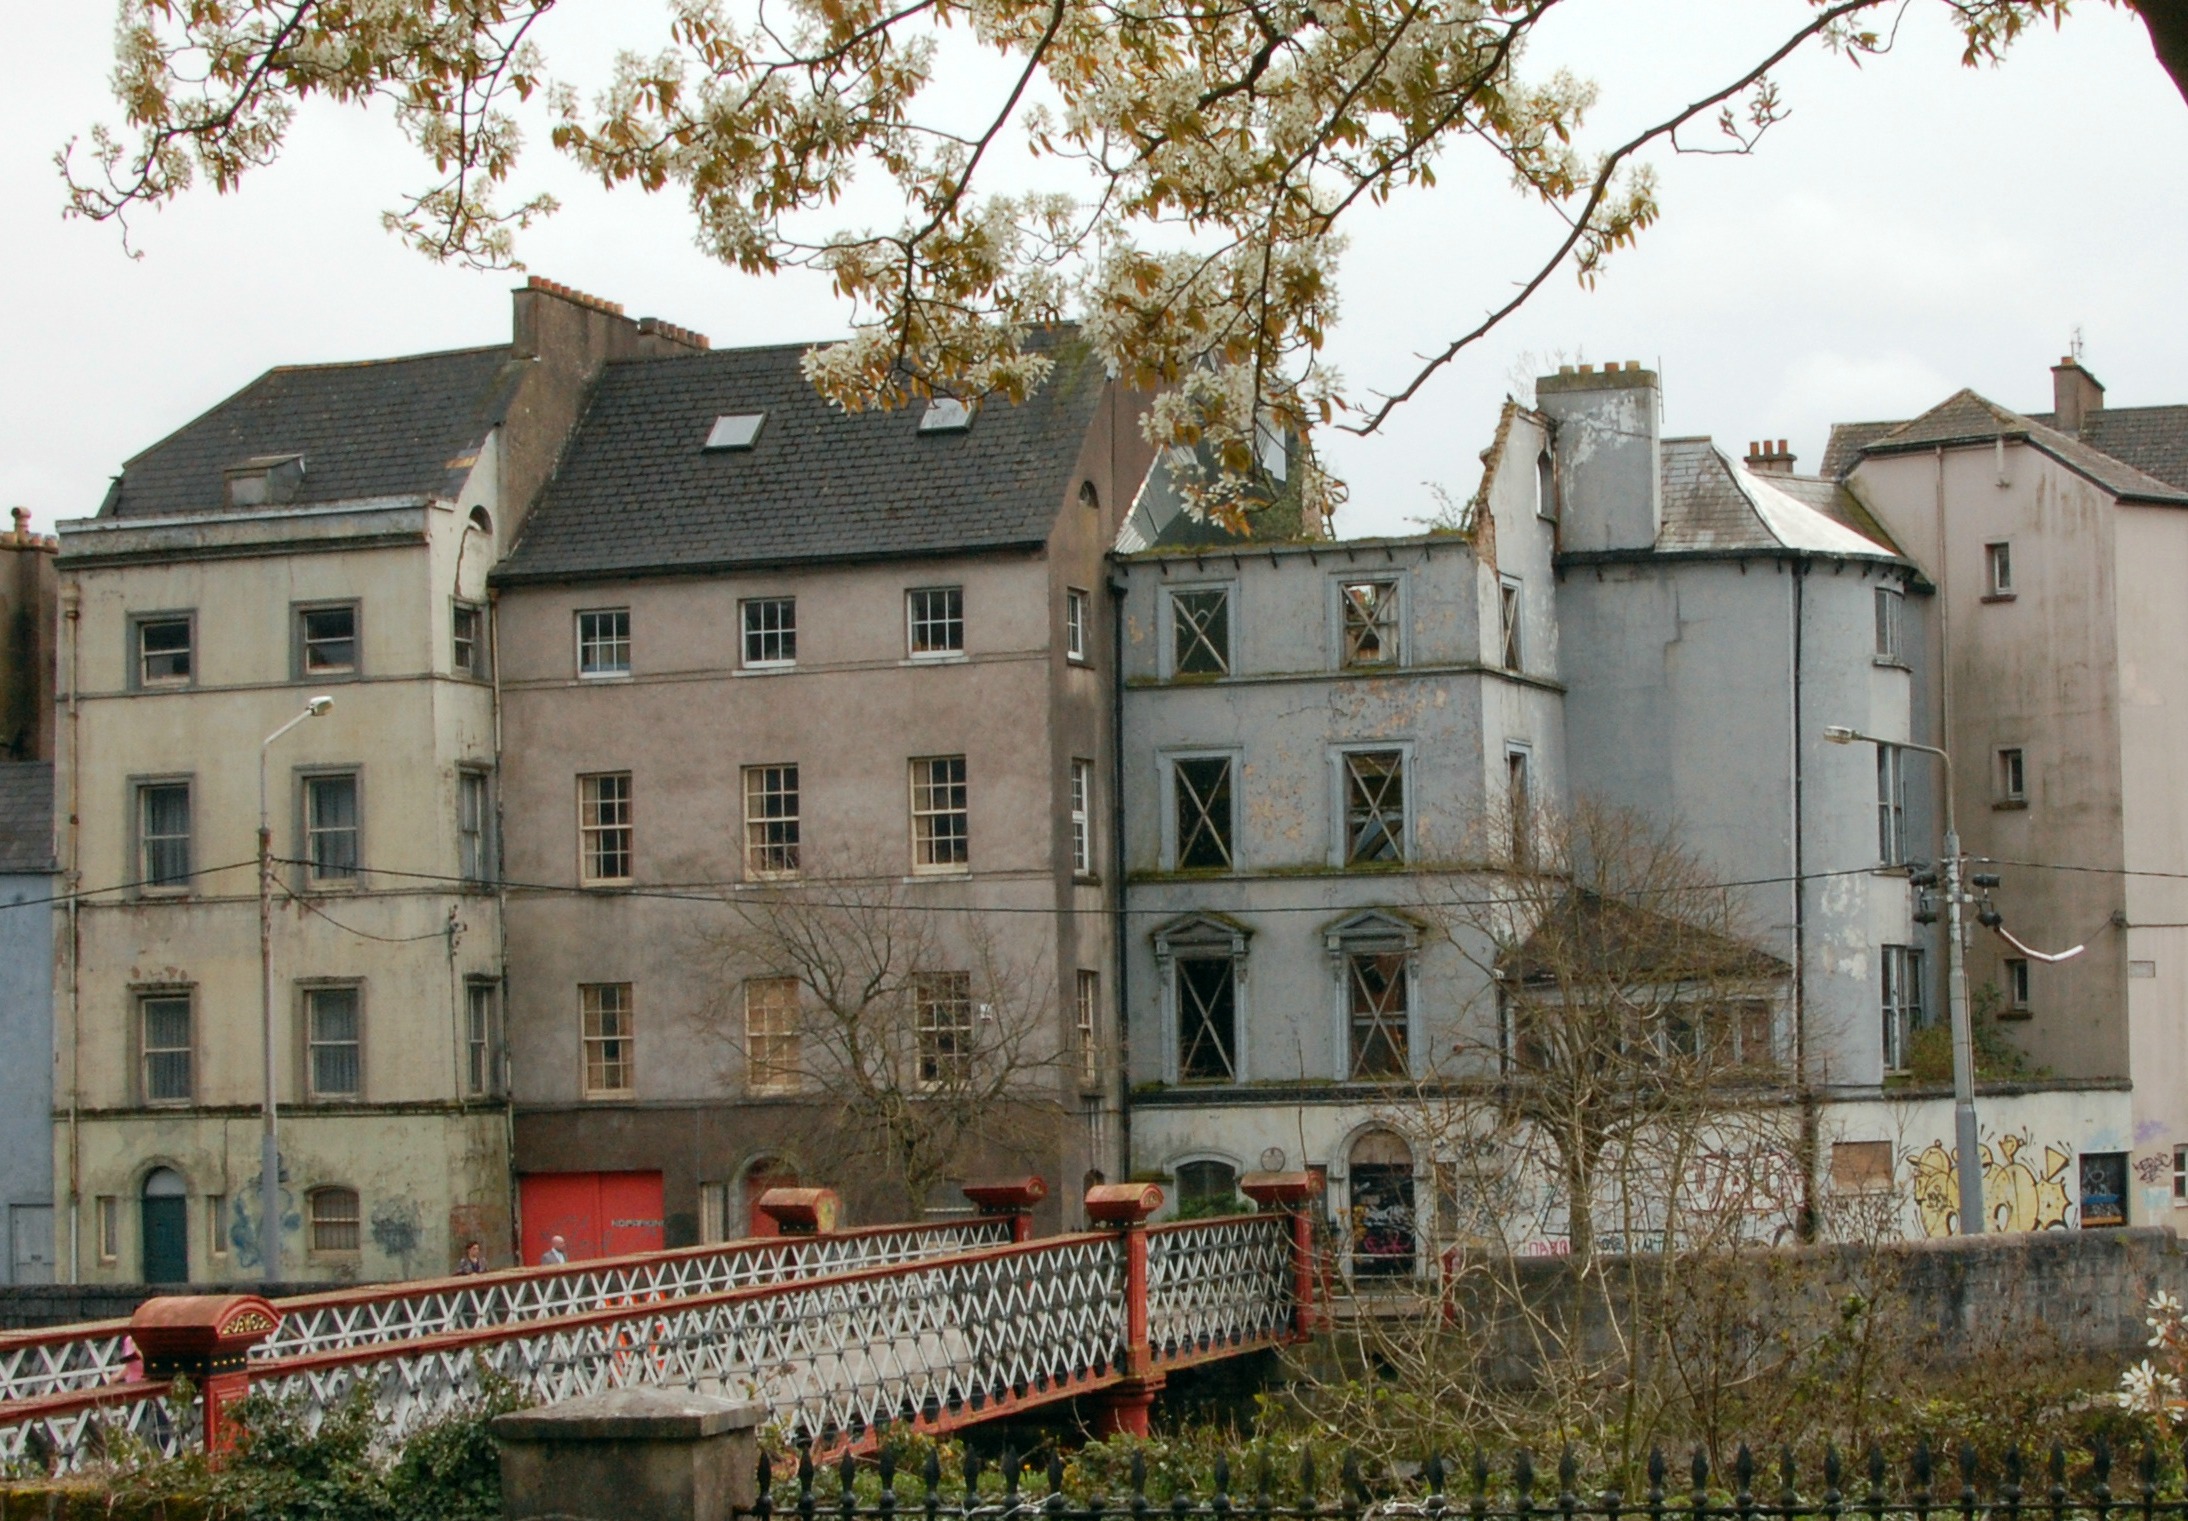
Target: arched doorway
point(761, 1175)
point(1381, 1182)
point(164, 1227)
point(1206, 1188)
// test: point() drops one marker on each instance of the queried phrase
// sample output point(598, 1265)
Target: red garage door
point(597, 1214)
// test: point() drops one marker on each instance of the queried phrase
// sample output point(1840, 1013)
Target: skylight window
point(945, 414)
point(736, 430)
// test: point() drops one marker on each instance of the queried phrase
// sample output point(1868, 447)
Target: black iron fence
point(2085, 1484)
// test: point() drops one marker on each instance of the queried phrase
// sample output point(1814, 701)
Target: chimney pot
point(1587, 369)
point(22, 521)
point(1565, 369)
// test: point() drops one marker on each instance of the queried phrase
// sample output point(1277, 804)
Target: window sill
point(346, 673)
point(2015, 1016)
point(606, 884)
point(2007, 804)
point(603, 675)
point(766, 668)
point(1083, 662)
point(2003, 596)
point(940, 873)
point(163, 894)
point(1086, 879)
point(940, 657)
point(620, 1096)
point(1890, 663)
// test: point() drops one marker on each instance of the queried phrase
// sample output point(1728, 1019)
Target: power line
point(713, 893)
point(168, 880)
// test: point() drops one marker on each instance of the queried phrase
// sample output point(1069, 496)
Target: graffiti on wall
point(2019, 1193)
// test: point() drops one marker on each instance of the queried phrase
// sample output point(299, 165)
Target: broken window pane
point(1207, 999)
point(1201, 628)
point(1376, 988)
point(1371, 622)
point(1374, 806)
point(1203, 788)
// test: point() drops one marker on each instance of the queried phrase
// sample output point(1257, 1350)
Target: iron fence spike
point(1743, 1467)
point(2100, 1459)
point(1568, 1468)
point(1831, 1470)
point(1698, 1467)
point(2058, 1463)
point(1481, 1472)
point(1433, 1473)
point(1055, 1476)
point(1222, 1475)
point(1139, 1474)
point(1967, 1461)
point(931, 1471)
point(1876, 1467)
point(2013, 1464)
point(1523, 1474)
point(1785, 1473)
point(887, 1464)
point(1656, 1467)
point(1922, 1463)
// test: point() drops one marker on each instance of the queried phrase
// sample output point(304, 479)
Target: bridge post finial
point(1294, 1193)
point(1014, 1198)
point(207, 1339)
point(1124, 1207)
point(802, 1211)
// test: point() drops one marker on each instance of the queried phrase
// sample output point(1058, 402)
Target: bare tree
point(925, 1049)
point(1612, 1124)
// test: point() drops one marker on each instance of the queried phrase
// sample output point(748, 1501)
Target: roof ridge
point(360, 364)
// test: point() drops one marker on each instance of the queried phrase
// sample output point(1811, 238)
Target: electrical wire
point(712, 893)
point(121, 887)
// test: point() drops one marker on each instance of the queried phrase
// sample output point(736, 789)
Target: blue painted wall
point(26, 1071)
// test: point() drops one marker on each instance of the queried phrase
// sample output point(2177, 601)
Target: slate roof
point(1712, 502)
point(387, 427)
point(2152, 439)
point(637, 494)
point(1847, 442)
point(2139, 454)
point(26, 817)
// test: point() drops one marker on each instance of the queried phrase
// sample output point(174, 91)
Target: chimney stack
point(2076, 395)
point(1767, 458)
point(1609, 461)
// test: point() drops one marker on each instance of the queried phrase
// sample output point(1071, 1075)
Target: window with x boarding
point(1200, 631)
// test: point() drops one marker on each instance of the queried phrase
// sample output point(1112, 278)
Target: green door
point(166, 1228)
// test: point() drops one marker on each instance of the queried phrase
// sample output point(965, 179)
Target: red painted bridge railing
point(942, 1339)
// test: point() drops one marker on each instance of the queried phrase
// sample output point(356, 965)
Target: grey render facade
point(2057, 542)
point(27, 882)
point(782, 684)
point(1686, 626)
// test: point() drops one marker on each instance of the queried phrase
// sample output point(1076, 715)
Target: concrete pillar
point(631, 1455)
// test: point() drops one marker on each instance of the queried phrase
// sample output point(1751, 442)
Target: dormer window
point(735, 430)
point(945, 414)
point(265, 480)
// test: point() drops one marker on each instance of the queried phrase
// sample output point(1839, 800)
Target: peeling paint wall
point(1286, 712)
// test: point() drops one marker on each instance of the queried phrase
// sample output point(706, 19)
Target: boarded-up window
point(1861, 1167)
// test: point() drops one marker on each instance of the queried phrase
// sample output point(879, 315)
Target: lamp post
point(1968, 1161)
point(269, 1147)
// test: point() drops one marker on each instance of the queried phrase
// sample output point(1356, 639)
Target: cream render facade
point(422, 1148)
point(326, 531)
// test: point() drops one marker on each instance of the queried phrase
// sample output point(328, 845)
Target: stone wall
point(27, 1307)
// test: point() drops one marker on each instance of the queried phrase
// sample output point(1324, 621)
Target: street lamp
point(1969, 1161)
point(269, 1148)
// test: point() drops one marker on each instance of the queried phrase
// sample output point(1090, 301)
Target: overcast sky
point(1914, 227)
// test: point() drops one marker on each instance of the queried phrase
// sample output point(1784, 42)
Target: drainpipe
point(72, 614)
point(501, 915)
point(1811, 1141)
point(1121, 923)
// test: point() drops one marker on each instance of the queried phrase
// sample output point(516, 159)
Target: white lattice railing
point(73, 1359)
point(936, 1341)
point(120, 1422)
point(1215, 1284)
